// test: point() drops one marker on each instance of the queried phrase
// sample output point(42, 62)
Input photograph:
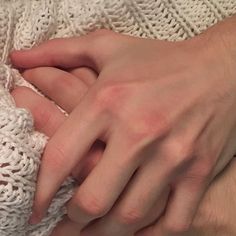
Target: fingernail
point(34, 219)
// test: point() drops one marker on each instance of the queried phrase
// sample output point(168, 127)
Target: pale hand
point(166, 112)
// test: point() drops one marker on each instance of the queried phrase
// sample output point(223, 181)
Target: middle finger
point(65, 89)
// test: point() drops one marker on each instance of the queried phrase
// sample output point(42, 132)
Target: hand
point(71, 87)
point(132, 107)
point(216, 213)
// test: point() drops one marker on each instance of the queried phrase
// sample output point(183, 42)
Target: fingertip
point(17, 58)
point(36, 216)
point(15, 52)
point(42, 201)
point(14, 56)
point(34, 219)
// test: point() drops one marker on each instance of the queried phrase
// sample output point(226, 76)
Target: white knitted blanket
point(24, 23)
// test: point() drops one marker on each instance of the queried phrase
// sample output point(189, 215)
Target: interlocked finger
point(65, 89)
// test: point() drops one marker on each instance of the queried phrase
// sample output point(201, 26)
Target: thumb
point(91, 50)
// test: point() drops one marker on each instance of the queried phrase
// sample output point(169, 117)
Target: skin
point(177, 149)
point(216, 213)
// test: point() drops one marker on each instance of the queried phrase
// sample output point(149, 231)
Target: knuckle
point(178, 228)
point(159, 123)
point(179, 152)
point(129, 216)
point(30, 74)
point(201, 172)
point(150, 127)
point(27, 74)
point(91, 205)
point(109, 96)
point(205, 169)
point(110, 89)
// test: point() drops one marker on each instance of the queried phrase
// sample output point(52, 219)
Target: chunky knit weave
point(24, 23)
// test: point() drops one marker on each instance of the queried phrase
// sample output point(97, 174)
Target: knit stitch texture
point(25, 23)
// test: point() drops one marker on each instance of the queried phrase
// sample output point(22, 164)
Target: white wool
point(25, 23)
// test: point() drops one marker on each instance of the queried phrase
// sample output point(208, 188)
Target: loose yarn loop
point(25, 23)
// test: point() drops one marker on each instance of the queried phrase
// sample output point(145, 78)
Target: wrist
point(217, 47)
point(223, 36)
point(227, 35)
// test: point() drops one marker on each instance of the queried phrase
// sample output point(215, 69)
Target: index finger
point(88, 50)
point(63, 152)
point(63, 52)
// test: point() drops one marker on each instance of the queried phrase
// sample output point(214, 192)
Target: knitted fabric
point(25, 23)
